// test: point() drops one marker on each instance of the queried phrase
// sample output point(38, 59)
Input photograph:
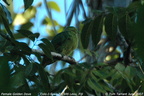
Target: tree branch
point(57, 56)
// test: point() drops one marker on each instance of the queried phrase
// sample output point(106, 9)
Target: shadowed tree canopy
point(108, 58)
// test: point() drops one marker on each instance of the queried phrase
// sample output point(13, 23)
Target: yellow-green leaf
point(53, 6)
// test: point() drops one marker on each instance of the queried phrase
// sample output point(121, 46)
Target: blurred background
point(48, 18)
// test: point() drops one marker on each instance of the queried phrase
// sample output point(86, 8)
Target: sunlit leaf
point(47, 21)
point(53, 5)
point(30, 13)
point(38, 4)
point(19, 20)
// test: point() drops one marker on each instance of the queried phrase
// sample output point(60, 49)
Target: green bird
point(64, 43)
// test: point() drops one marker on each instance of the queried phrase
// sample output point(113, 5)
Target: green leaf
point(133, 6)
point(59, 87)
point(6, 2)
point(130, 72)
point(100, 73)
point(29, 13)
point(6, 14)
point(28, 69)
point(85, 65)
point(70, 73)
point(26, 60)
point(95, 86)
point(44, 77)
point(23, 47)
point(111, 26)
point(47, 20)
point(138, 33)
point(115, 77)
point(3, 45)
point(18, 80)
point(118, 11)
point(27, 3)
point(85, 35)
point(53, 5)
point(120, 67)
point(31, 69)
point(29, 34)
point(140, 74)
point(106, 86)
point(97, 29)
point(12, 56)
point(38, 56)
point(6, 25)
point(94, 77)
point(69, 81)
point(48, 44)
point(4, 74)
point(18, 36)
point(125, 26)
point(46, 50)
point(57, 77)
point(27, 25)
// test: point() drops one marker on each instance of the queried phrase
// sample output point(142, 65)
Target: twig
point(122, 41)
point(57, 56)
point(141, 68)
point(82, 58)
point(136, 92)
point(84, 14)
point(72, 13)
point(64, 90)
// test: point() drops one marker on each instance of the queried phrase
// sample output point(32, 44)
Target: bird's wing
point(59, 40)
